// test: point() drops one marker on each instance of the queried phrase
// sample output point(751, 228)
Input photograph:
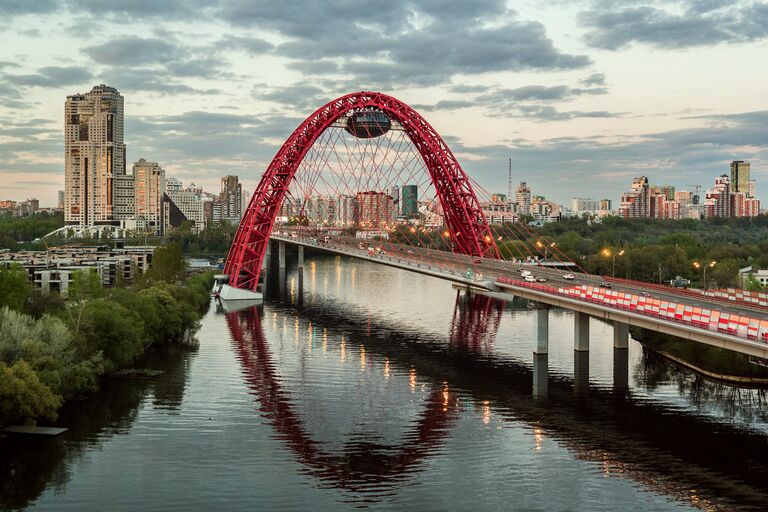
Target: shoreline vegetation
point(711, 362)
point(52, 350)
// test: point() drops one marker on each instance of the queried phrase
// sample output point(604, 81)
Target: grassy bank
point(52, 351)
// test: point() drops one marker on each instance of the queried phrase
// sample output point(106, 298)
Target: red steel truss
point(469, 229)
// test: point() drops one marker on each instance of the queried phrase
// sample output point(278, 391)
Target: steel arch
point(469, 230)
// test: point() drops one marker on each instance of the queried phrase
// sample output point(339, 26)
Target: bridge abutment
point(581, 332)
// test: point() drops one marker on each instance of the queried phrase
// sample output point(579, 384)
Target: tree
point(15, 287)
point(168, 264)
point(23, 397)
point(111, 329)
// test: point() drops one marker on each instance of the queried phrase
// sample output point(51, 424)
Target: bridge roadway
point(502, 278)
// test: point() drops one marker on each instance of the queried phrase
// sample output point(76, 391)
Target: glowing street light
point(698, 266)
point(607, 253)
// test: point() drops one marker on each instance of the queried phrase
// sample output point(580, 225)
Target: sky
point(581, 95)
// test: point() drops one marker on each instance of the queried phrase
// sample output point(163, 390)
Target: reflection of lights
point(486, 412)
point(538, 437)
point(296, 330)
point(343, 349)
point(362, 357)
point(412, 378)
point(386, 367)
point(325, 339)
point(446, 396)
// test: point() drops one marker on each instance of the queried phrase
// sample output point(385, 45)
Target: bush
point(111, 329)
point(46, 344)
point(23, 397)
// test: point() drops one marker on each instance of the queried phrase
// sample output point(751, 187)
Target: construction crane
point(696, 188)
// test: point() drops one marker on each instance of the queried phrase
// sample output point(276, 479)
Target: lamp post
point(698, 265)
point(607, 252)
point(545, 247)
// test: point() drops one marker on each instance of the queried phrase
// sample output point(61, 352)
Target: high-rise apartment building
point(395, 193)
point(410, 206)
point(668, 191)
point(582, 204)
point(684, 197)
point(523, 199)
point(376, 210)
point(635, 203)
point(718, 198)
point(148, 192)
point(94, 153)
point(321, 210)
point(60, 203)
point(605, 205)
point(346, 211)
point(181, 205)
point(173, 185)
point(740, 176)
point(231, 199)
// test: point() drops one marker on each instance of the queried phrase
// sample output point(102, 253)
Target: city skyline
point(560, 100)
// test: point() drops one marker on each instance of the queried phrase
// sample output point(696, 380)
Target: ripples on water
point(379, 388)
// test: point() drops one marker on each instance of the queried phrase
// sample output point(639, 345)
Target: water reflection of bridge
point(662, 447)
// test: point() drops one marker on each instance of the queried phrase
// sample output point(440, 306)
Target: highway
point(489, 270)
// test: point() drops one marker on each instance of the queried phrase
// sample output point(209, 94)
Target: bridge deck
point(734, 325)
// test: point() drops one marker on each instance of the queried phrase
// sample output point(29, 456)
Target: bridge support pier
point(620, 369)
point(581, 331)
point(300, 264)
point(542, 329)
point(540, 375)
point(580, 371)
point(620, 335)
point(281, 255)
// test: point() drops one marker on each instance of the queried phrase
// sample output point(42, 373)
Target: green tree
point(15, 287)
point(111, 329)
point(23, 397)
point(168, 264)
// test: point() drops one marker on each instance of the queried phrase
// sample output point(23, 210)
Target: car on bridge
point(569, 277)
point(530, 279)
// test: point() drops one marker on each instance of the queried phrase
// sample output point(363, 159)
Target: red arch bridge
point(366, 176)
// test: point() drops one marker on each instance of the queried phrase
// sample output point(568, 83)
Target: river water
point(361, 386)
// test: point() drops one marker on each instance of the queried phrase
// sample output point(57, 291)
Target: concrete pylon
point(580, 371)
point(300, 263)
point(542, 329)
point(620, 335)
point(540, 375)
point(281, 255)
point(581, 331)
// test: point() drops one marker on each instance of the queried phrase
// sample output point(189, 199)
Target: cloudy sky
point(581, 95)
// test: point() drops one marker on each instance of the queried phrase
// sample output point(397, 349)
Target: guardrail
point(703, 318)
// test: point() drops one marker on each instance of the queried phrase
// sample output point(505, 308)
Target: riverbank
point(56, 351)
point(712, 362)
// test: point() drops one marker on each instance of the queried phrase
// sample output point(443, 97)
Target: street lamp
point(698, 265)
point(607, 252)
point(545, 247)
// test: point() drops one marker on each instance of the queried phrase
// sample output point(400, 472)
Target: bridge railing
point(703, 318)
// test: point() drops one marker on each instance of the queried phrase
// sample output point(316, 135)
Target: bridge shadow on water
point(695, 459)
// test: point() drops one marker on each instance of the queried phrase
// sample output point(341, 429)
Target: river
point(362, 386)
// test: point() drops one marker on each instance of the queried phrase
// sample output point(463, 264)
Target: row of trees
point(52, 350)
point(653, 250)
point(26, 229)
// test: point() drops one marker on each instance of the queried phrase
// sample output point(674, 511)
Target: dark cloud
point(134, 51)
point(21, 7)
point(299, 97)
point(148, 79)
point(445, 105)
point(593, 79)
point(700, 24)
point(52, 76)
point(250, 45)
point(133, 9)
point(409, 42)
